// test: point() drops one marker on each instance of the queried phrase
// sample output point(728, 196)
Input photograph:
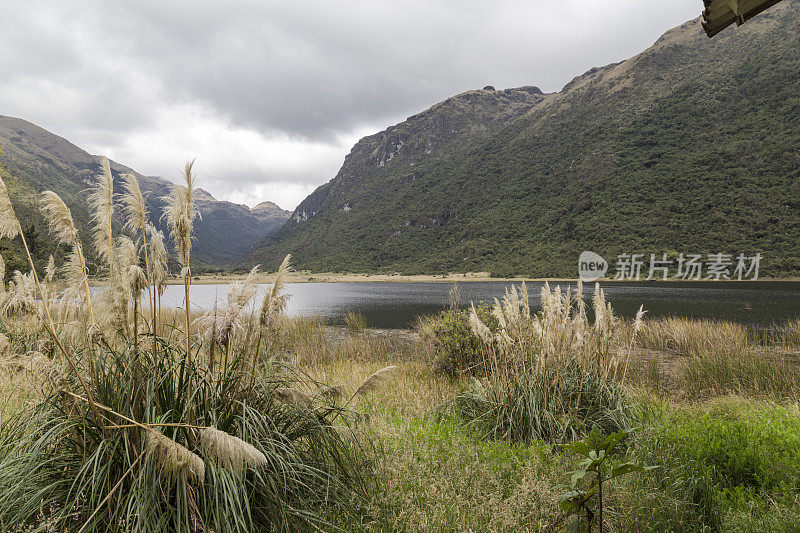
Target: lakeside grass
point(117, 414)
point(729, 458)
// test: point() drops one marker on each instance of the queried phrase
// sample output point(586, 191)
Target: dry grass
point(684, 335)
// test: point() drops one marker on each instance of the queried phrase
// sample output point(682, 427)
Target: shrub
point(457, 349)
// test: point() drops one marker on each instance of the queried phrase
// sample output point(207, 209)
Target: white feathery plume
point(134, 206)
point(127, 253)
point(9, 225)
point(137, 280)
point(180, 213)
point(228, 451)
point(59, 218)
point(62, 225)
point(220, 326)
point(50, 270)
point(275, 302)
point(241, 292)
point(174, 458)
point(479, 329)
point(158, 256)
point(101, 201)
point(21, 299)
point(293, 396)
point(372, 382)
point(638, 322)
point(2, 275)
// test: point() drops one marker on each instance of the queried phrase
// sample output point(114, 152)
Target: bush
point(457, 349)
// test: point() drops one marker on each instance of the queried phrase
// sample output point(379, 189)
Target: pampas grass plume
point(228, 451)
point(174, 458)
point(372, 382)
point(9, 226)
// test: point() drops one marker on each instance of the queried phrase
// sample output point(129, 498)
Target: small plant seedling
point(596, 450)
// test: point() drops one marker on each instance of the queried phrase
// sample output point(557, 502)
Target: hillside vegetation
point(692, 146)
point(38, 160)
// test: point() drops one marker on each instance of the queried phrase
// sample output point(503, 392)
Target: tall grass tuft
point(551, 375)
point(685, 335)
point(157, 437)
point(355, 322)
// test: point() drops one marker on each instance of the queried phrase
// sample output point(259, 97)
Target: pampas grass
point(136, 216)
point(157, 439)
point(293, 396)
point(101, 201)
point(9, 225)
point(180, 214)
point(374, 381)
point(549, 375)
point(158, 252)
point(229, 451)
point(63, 228)
point(274, 302)
point(173, 458)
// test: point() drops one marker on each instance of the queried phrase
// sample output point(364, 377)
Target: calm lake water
point(396, 305)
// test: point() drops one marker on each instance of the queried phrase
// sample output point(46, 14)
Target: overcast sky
point(271, 95)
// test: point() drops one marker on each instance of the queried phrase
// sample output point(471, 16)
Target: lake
point(396, 305)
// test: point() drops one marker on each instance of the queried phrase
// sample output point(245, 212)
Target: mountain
point(38, 160)
point(691, 146)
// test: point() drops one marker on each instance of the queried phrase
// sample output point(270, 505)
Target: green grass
point(730, 464)
point(440, 475)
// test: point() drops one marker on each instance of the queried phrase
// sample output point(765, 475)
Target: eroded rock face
point(463, 118)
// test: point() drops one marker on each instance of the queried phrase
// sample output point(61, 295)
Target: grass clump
point(146, 425)
point(355, 322)
point(753, 373)
point(549, 376)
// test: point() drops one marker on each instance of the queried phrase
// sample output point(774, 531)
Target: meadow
point(120, 415)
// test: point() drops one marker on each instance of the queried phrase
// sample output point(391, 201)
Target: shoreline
point(330, 277)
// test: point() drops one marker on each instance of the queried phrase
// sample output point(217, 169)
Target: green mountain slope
point(39, 160)
point(692, 146)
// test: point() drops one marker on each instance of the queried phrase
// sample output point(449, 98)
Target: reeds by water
point(236, 456)
point(553, 374)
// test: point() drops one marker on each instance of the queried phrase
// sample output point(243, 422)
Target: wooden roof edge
point(713, 22)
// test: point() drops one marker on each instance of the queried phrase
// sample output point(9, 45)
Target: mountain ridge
point(38, 160)
point(687, 147)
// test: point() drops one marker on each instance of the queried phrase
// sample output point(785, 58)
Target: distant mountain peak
point(39, 160)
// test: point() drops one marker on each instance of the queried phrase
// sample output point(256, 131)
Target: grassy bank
point(726, 443)
point(722, 426)
point(117, 414)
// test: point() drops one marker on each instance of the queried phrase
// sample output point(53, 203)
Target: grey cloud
point(313, 71)
point(316, 68)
